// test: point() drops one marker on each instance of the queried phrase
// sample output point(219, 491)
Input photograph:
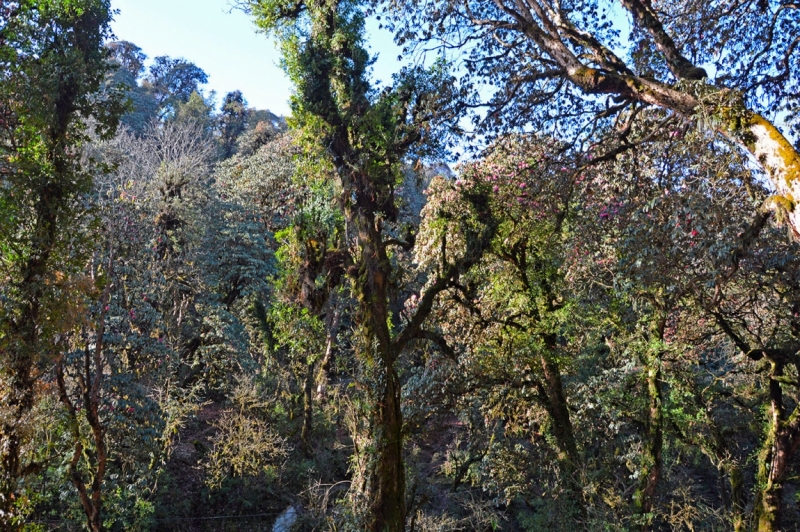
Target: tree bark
point(308, 408)
point(654, 444)
point(387, 475)
point(558, 409)
point(780, 444)
point(388, 501)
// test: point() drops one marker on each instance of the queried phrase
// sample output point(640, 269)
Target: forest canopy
point(547, 280)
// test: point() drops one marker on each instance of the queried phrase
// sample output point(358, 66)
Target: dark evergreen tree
point(233, 121)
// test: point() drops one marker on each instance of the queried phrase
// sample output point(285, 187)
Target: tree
point(129, 60)
point(129, 57)
point(173, 81)
point(196, 111)
point(571, 67)
point(676, 234)
point(312, 265)
point(364, 136)
point(116, 430)
point(53, 64)
point(233, 121)
point(508, 320)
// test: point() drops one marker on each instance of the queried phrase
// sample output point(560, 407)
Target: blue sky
point(224, 43)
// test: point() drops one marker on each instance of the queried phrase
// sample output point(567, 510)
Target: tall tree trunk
point(653, 447)
point(308, 408)
point(387, 473)
point(736, 480)
point(388, 499)
point(328, 359)
point(558, 411)
point(24, 348)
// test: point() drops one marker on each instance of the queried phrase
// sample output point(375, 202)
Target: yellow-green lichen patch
point(782, 206)
point(781, 150)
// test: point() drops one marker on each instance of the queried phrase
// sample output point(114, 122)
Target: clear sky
point(224, 43)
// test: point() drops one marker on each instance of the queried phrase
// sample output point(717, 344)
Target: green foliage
point(53, 64)
point(245, 444)
point(593, 335)
point(173, 81)
point(195, 109)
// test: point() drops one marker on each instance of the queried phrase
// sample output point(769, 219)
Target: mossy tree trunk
point(780, 443)
point(308, 407)
point(781, 436)
point(654, 444)
point(386, 478)
point(555, 404)
point(558, 411)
